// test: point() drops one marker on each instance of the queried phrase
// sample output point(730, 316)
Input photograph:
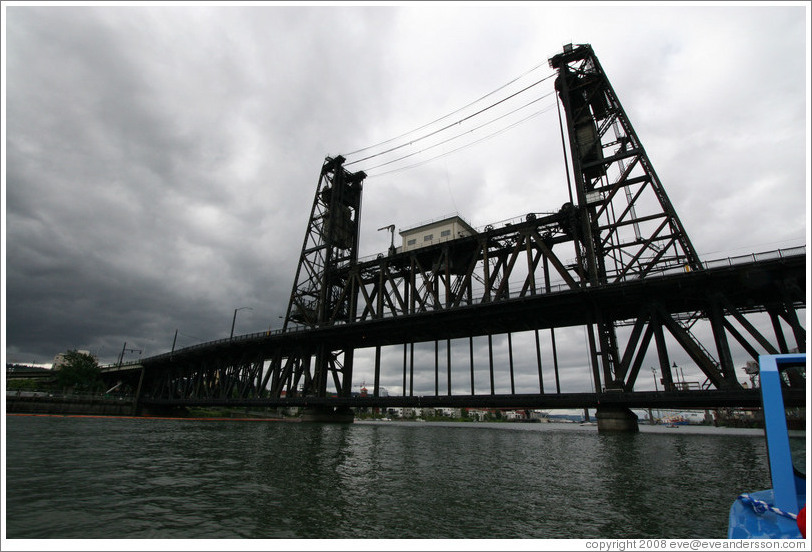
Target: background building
point(59, 360)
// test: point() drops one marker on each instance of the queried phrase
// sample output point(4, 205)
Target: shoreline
point(514, 426)
point(587, 428)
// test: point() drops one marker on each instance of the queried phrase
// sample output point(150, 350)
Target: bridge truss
point(615, 259)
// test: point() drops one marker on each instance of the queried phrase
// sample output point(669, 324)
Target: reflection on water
point(148, 478)
point(797, 448)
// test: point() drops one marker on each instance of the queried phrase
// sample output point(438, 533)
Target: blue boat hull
point(745, 523)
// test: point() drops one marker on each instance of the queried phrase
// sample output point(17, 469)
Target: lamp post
point(234, 319)
point(650, 416)
point(177, 333)
point(681, 380)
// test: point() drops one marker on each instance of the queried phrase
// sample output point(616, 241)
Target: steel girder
point(512, 262)
point(527, 260)
point(215, 376)
point(658, 316)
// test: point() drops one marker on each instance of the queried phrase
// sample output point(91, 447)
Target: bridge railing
point(560, 285)
point(716, 263)
point(755, 257)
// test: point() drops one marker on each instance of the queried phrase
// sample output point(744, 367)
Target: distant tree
point(23, 385)
point(79, 371)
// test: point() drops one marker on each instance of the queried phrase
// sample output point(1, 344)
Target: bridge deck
point(745, 286)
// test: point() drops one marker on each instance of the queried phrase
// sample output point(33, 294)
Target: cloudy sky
point(160, 162)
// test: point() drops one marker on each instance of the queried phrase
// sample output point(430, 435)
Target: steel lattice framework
point(629, 229)
point(330, 247)
point(616, 260)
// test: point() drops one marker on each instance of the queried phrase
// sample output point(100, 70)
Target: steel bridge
point(614, 260)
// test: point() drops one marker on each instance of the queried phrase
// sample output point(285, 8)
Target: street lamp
point(654, 375)
point(675, 367)
point(234, 319)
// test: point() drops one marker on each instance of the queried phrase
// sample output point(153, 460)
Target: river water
point(109, 478)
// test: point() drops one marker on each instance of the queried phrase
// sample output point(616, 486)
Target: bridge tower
point(330, 246)
point(627, 227)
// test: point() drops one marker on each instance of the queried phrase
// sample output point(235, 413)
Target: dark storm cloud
point(161, 161)
point(159, 173)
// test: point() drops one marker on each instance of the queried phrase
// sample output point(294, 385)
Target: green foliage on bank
point(79, 372)
point(23, 384)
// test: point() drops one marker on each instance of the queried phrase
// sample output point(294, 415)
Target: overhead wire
point(448, 114)
point(411, 142)
point(497, 133)
point(460, 135)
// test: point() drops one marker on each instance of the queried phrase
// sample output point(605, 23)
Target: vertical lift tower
point(330, 247)
point(628, 228)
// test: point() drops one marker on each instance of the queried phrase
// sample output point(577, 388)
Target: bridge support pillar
point(616, 419)
point(328, 414)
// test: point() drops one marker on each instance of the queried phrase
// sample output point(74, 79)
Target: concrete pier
point(616, 419)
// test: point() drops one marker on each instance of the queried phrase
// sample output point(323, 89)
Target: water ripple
point(147, 478)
